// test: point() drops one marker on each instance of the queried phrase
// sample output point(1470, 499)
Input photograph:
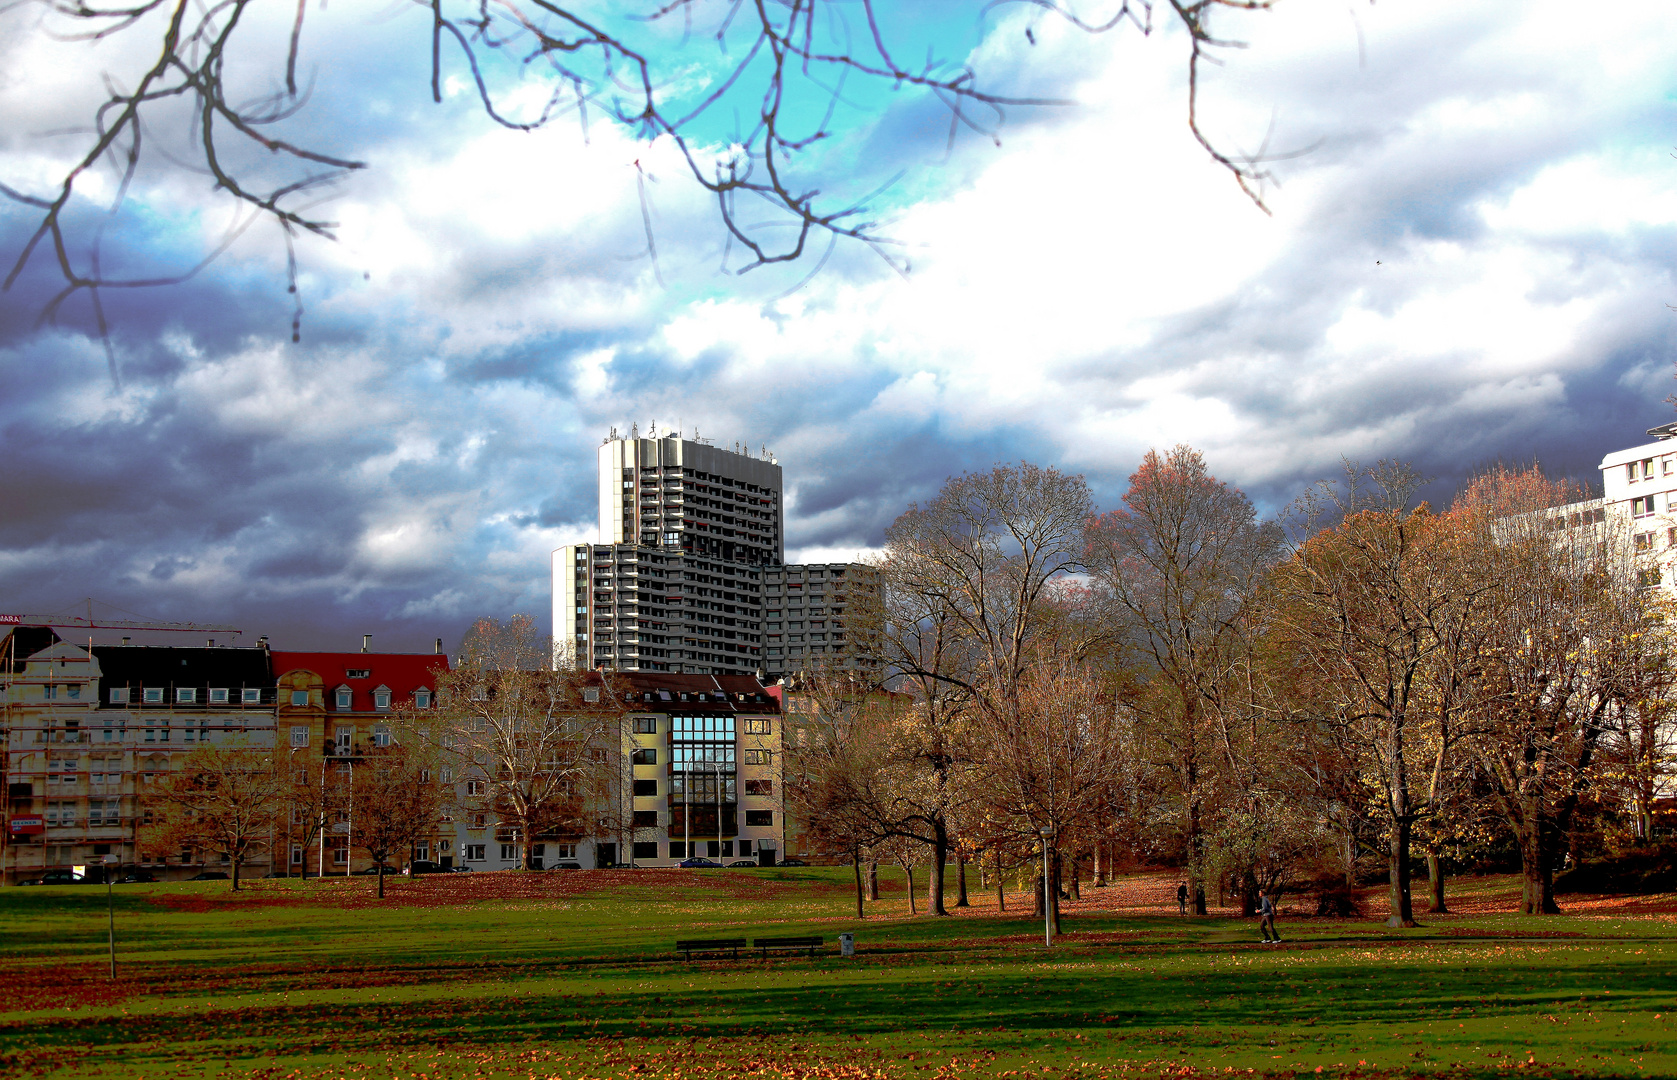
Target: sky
point(1466, 256)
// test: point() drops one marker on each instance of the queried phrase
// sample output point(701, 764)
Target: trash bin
point(847, 944)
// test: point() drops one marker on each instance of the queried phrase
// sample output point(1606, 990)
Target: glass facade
point(702, 760)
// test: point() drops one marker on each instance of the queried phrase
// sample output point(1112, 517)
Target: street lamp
point(1047, 832)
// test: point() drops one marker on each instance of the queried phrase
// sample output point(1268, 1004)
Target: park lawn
point(570, 975)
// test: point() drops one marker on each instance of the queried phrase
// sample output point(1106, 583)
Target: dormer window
point(250, 697)
point(359, 673)
point(422, 699)
point(591, 693)
point(119, 695)
point(152, 695)
point(381, 698)
point(186, 695)
point(345, 698)
point(218, 695)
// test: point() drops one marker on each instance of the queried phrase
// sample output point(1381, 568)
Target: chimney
point(125, 640)
point(211, 644)
point(439, 646)
point(366, 642)
point(262, 642)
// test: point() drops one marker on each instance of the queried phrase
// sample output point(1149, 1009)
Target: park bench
point(732, 946)
point(786, 944)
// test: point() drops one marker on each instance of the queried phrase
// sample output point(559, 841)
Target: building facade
point(690, 555)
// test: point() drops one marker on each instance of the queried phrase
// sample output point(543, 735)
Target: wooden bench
point(786, 944)
point(731, 946)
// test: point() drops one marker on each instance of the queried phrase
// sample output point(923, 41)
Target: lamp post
point(1047, 832)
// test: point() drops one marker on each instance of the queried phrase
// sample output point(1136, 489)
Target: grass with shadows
point(571, 975)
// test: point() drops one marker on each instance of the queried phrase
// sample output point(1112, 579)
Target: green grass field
point(572, 975)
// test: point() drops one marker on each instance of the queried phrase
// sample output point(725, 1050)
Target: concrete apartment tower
point(689, 564)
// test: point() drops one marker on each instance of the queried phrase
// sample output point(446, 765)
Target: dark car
point(462, 870)
point(55, 877)
point(567, 865)
point(372, 871)
point(423, 866)
point(137, 877)
point(742, 862)
point(698, 864)
point(208, 875)
point(793, 862)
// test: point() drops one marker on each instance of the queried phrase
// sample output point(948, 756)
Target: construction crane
point(92, 622)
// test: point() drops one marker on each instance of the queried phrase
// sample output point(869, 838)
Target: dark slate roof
point(136, 666)
point(665, 692)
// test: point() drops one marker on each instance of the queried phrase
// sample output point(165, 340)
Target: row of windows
point(187, 695)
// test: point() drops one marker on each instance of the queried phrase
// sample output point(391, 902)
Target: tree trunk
point(1054, 893)
point(1435, 875)
point(935, 879)
point(235, 862)
point(1076, 889)
point(909, 870)
point(961, 880)
point(1001, 885)
point(1248, 894)
point(1536, 875)
point(1100, 866)
point(381, 879)
point(1397, 875)
point(873, 879)
point(856, 861)
point(1040, 892)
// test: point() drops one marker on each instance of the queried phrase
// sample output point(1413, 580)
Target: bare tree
point(794, 66)
point(223, 800)
point(1184, 563)
point(529, 740)
point(398, 801)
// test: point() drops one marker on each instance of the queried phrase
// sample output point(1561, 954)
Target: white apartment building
point(1639, 486)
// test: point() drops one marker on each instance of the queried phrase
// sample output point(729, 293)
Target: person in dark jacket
point(1266, 917)
point(1182, 898)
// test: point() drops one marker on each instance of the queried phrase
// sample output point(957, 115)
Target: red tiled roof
point(400, 673)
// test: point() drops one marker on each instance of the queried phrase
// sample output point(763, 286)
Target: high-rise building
point(691, 538)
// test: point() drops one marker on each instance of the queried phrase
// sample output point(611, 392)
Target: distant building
point(691, 552)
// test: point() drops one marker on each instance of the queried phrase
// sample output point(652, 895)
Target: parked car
point(372, 871)
point(462, 870)
point(55, 877)
point(424, 866)
point(743, 862)
point(137, 877)
point(568, 864)
point(698, 864)
point(793, 862)
point(209, 875)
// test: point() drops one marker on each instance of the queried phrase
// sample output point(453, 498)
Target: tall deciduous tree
point(1574, 647)
point(1183, 563)
point(530, 739)
point(223, 800)
point(398, 801)
point(966, 587)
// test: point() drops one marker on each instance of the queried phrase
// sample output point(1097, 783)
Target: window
point(645, 819)
point(472, 852)
point(645, 725)
point(345, 736)
point(759, 787)
point(50, 692)
point(103, 812)
point(591, 693)
point(381, 698)
point(422, 699)
point(644, 757)
point(759, 818)
point(218, 695)
point(1642, 506)
point(646, 849)
point(474, 789)
point(646, 789)
point(186, 695)
point(251, 697)
point(381, 736)
point(358, 673)
point(1644, 541)
point(678, 849)
point(757, 727)
point(119, 695)
point(340, 849)
point(759, 757)
point(73, 692)
point(61, 813)
point(152, 695)
point(344, 698)
point(509, 852)
point(1647, 579)
point(299, 736)
point(299, 697)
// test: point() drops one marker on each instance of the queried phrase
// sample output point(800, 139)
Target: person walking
point(1266, 917)
point(1182, 897)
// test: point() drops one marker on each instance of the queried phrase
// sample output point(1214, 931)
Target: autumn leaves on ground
point(572, 975)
